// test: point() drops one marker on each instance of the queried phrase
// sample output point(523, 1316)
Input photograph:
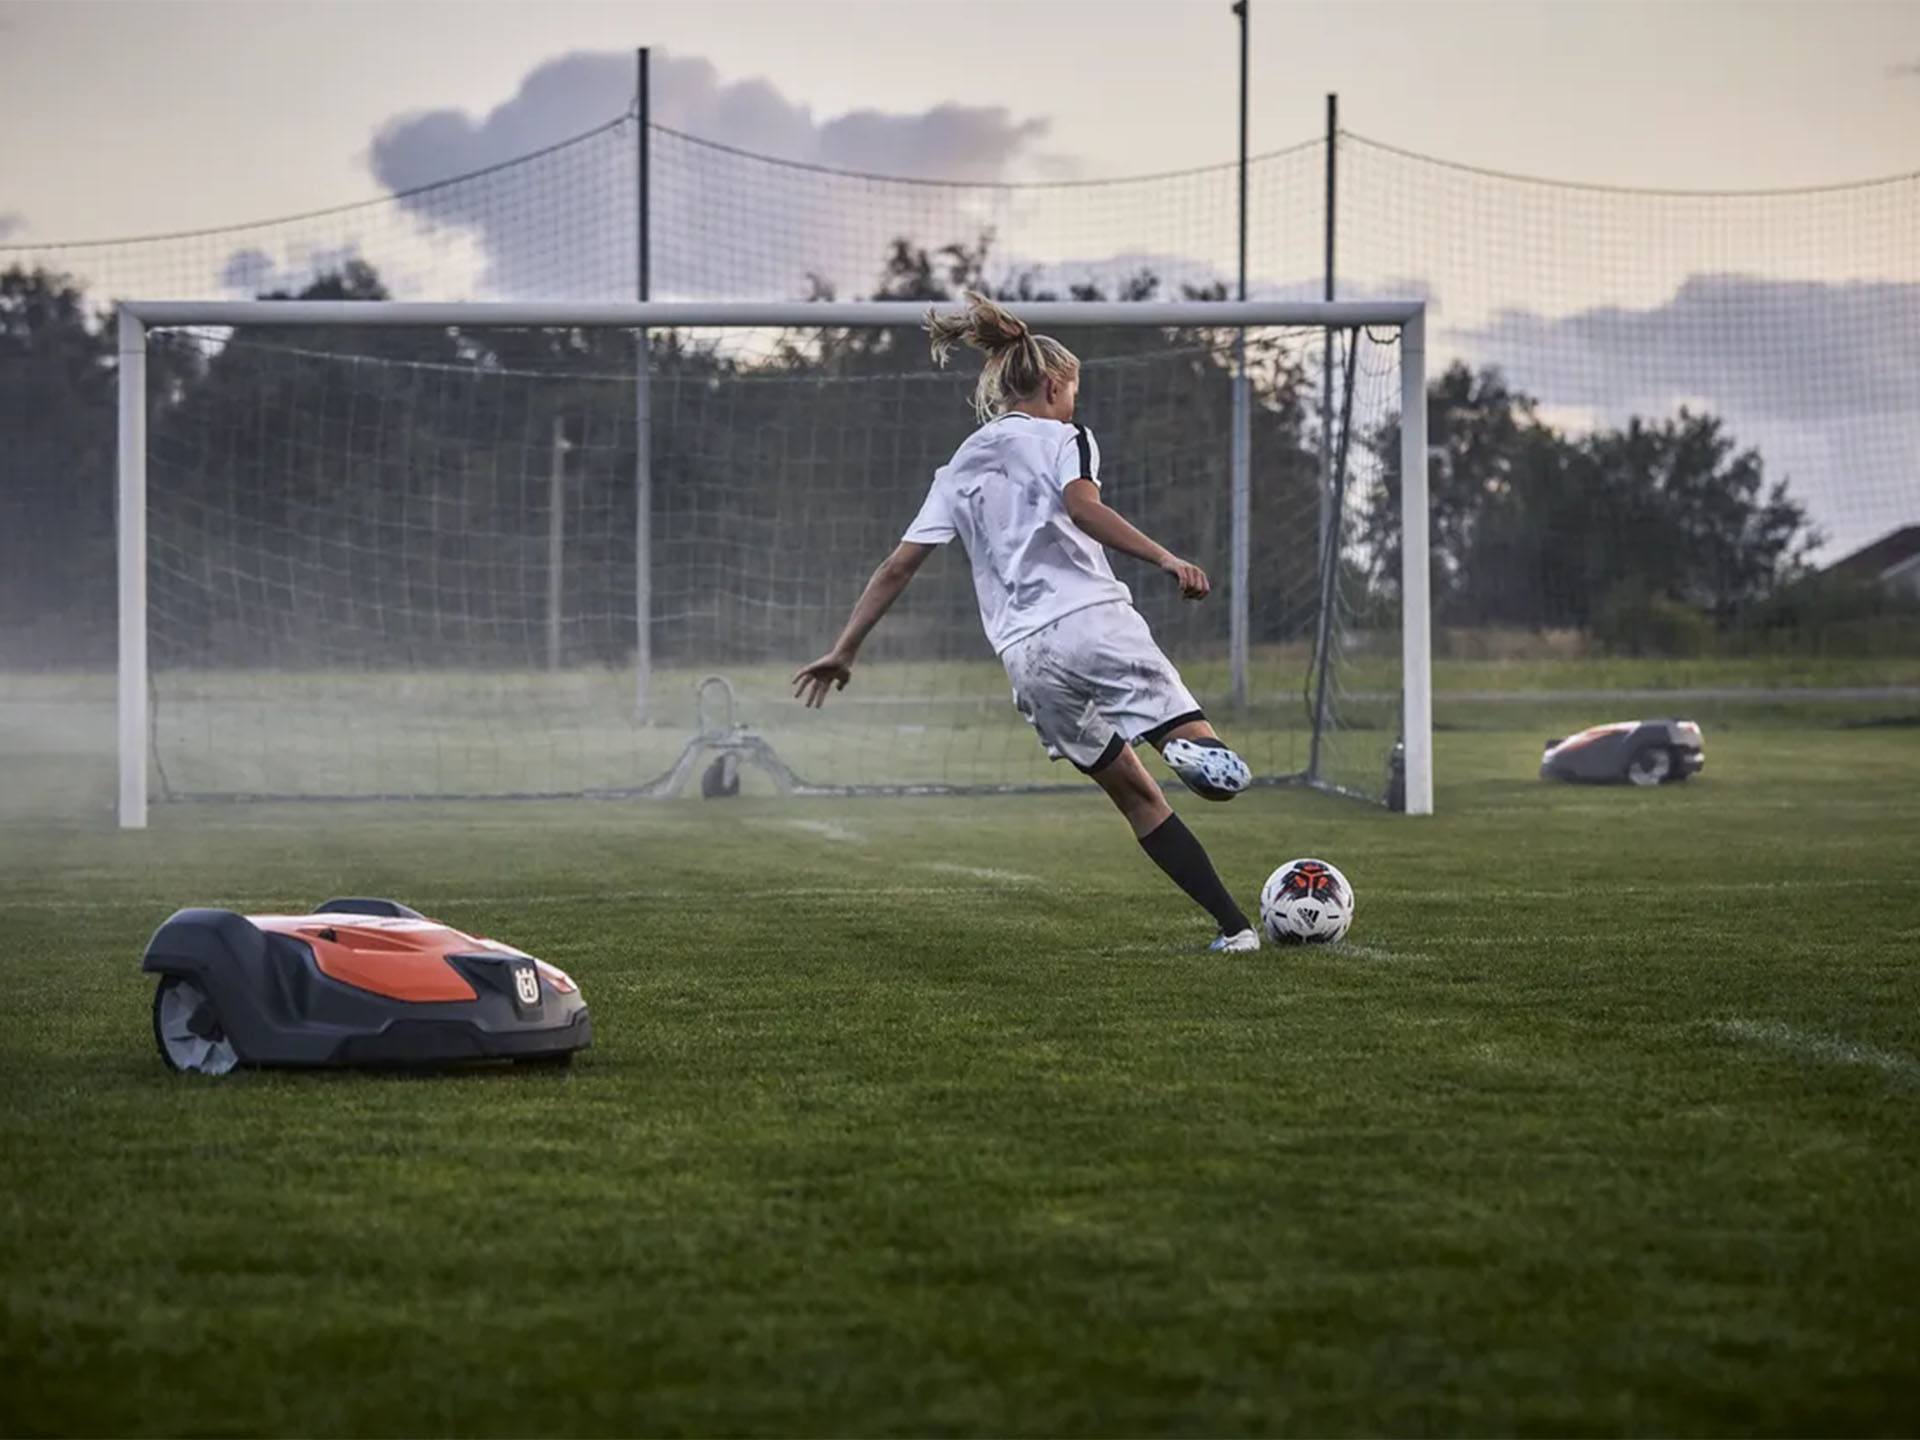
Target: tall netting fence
point(414, 573)
point(725, 224)
point(1664, 423)
point(1675, 437)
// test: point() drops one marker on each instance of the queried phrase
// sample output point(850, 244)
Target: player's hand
point(811, 682)
point(1192, 579)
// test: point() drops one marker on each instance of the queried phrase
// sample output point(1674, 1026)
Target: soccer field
point(923, 1116)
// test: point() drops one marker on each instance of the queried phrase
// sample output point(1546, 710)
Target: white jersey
point(1002, 495)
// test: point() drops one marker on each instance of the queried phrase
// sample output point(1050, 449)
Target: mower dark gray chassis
point(1628, 752)
point(358, 982)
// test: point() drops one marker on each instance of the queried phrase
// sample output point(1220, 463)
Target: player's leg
point(1201, 729)
point(1205, 763)
point(1146, 700)
point(1172, 846)
point(1049, 671)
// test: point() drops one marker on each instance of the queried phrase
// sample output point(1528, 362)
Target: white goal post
point(1405, 318)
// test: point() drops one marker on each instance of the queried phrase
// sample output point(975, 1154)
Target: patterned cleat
point(1246, 940)
point(1208, 768)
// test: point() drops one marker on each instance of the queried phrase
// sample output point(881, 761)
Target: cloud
point(775, 225)
point(1800, 350)
point(11, 223)
point(1819, 377)
point(1909, 68)
point(559, 98)
point(578, 91)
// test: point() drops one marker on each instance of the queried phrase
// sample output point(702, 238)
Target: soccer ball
point(1306, 902)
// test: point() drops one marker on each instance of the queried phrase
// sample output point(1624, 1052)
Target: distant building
point(1893, 560)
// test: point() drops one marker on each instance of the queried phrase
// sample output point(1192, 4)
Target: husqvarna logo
point(526, 984)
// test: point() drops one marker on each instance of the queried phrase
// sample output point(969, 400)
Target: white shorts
point(1093, 682)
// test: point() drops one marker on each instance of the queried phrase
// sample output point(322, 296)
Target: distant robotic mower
point(1630, 752)
point(358, 982)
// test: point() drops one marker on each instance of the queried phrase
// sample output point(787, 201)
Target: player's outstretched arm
point(1087, 510)
point(833, 669)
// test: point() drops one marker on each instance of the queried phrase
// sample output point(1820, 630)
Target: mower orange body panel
point(400, 958)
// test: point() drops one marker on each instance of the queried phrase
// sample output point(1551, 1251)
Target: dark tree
point(57, 429)
point(1534, 528)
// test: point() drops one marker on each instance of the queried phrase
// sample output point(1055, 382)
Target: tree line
point(400, 497)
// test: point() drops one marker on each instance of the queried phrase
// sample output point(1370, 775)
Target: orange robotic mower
point(357, 982)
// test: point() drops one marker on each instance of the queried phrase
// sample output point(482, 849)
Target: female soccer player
point(1022, 495)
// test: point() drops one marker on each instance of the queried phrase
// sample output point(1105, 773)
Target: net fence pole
point(1416, 629)
point(1242, 509)
point(132, 538)
point(642, 526)
point(1241, 506)
point(642, 406)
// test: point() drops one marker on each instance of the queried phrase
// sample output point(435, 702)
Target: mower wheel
point(188, 1031)
point(1650, 765)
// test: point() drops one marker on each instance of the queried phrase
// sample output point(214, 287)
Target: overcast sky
point(1796, 319)
point(144, 115)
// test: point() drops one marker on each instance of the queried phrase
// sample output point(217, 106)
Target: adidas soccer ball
point(1306, 902)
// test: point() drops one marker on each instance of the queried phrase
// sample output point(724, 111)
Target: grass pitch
point(924, 1116)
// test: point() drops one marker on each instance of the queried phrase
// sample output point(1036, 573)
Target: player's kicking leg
point(1137, 688)
point(1204, 762)
point(1173, 847)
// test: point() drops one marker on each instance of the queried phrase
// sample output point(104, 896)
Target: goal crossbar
point(798, 315)
point(136, 318)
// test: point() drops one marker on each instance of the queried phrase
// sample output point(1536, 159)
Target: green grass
point(922, 1116)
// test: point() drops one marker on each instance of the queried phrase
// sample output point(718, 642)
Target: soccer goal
point(393, 550)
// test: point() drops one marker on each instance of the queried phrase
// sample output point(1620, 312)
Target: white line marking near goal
point(707, 897)
point(1512, 892)
point(825, 829)
point(283, 905)
point(1375, 952)
point(1781, 1036)
point(981, 872)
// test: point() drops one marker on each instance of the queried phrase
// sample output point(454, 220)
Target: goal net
point(466, 551)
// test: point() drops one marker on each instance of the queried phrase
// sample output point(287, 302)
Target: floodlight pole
point(1326, 346)
point(643, 401)
point(1240, 459)
point(556, 536)
point(132, 538)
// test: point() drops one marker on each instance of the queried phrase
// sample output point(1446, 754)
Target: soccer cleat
point(1248, 939)
point(1208, 768)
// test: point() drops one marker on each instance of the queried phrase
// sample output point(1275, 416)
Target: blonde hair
point(1019, 362)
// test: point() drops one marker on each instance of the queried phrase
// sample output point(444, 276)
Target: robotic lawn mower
point(1635, 752)
point(358, 982)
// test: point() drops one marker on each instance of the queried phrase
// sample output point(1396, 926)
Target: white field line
point(1375, 952)
point(267, 904)
point(1777, 1035)
point(281, 905)
point(825, 829)
point(1571, 892)
point(981, 872)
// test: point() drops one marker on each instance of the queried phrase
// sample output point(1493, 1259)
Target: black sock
point(1173, 847)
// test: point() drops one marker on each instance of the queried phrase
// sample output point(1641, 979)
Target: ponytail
point(1019, 362)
